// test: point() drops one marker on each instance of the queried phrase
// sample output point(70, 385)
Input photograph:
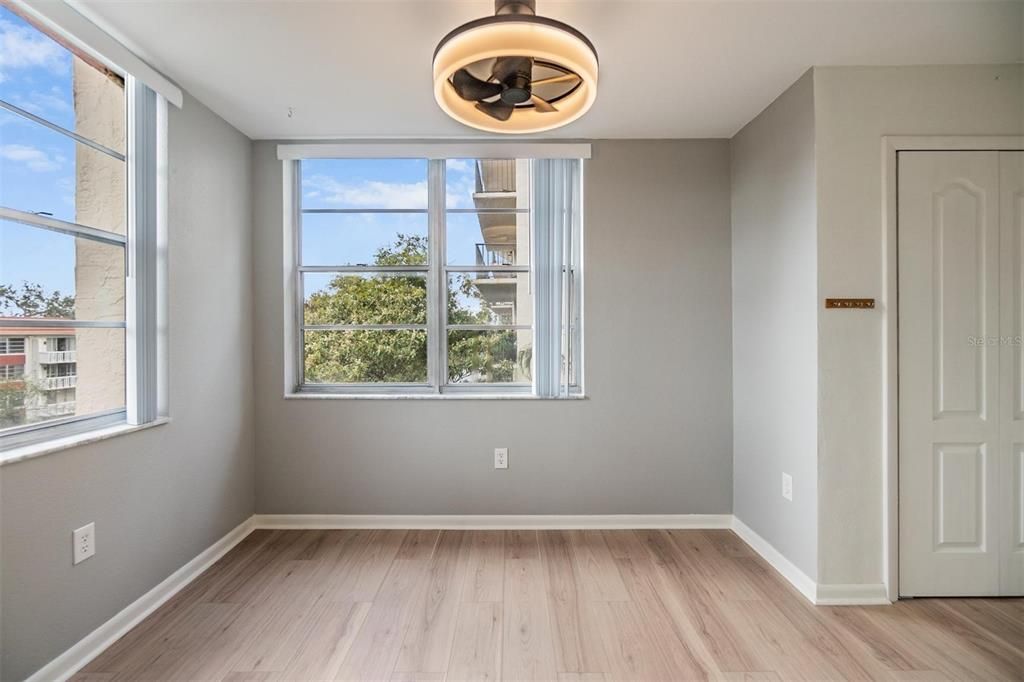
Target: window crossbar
point(365, 269)
point(422, 211)
point(56, 225)
point(59, 129)
point(488, 327)
point(37, 323)
point(364, 327)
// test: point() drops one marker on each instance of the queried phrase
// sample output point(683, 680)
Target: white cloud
point(22, 47)
point(460, 166)
point(367, 194)
point(35, 159)
point(45, 104)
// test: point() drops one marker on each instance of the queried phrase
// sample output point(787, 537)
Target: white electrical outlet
point(501, 458)
point(787, 486)
point(84, 540)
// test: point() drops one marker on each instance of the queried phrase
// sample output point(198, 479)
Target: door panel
point(1011, 448)
point(960, 497)
point(959, 266)
point(950, 386)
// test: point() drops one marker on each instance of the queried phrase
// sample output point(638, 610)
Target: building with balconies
point(502, 198)
point(38, 373)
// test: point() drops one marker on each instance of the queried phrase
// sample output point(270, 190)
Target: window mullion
point(436, 292)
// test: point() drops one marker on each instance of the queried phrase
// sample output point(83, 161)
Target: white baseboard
point(817, 594)
point(495, 521)
point(852, 595)
point(797, 578)
point(93, 644)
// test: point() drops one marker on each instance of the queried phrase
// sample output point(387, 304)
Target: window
point(78, 145)
point(12, 345)
point(430, 276)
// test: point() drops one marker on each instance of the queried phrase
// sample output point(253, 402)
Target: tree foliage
point(399, 356)
point(14, 394)
point(31, 300)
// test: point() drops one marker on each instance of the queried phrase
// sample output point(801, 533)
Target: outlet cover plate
point(501, 458)
point(84, 540)
point(787, 486)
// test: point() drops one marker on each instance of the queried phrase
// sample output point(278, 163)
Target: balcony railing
point(58, 383)
point(488, 254)
point(495, 175)
point(52, 357)
point(53, 410)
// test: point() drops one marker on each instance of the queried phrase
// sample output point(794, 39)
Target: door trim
point(891, 146)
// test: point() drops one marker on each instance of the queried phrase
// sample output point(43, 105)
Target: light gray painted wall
point(854, 108)
point(774, 279)
point(655, 436)
point(160, 496)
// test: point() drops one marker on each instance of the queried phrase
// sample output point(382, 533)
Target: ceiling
point(669, 69)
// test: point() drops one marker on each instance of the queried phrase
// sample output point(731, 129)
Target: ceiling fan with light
point(515, 72)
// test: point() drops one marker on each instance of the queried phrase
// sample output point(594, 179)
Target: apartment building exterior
point(502, 197)
point(38, 374)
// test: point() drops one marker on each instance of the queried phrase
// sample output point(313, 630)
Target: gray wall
point(774, 266)
point(655, 435)
point(160, 496)
point(854, 108)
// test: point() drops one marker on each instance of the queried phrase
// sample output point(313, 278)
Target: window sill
point(24, 452)
point(427, 396)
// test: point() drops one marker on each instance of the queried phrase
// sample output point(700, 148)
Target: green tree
point(31, 300)
point(14, 393)
point(399, 355)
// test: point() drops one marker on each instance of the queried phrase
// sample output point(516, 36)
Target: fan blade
point(507, 66)
point(498, 109)
point(542, 105)
point(564, 78)
point(469, 87)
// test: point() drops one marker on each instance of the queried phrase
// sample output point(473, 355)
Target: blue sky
point(37, 166)
point(352, 239)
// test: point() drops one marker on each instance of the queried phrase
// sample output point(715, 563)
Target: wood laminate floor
point(550, 605)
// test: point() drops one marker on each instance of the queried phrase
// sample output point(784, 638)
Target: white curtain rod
point(433, 150)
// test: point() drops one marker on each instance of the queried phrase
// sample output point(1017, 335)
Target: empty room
point(559, 340)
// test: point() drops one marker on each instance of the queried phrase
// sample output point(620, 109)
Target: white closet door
point(1011, 199)
point(950, 380)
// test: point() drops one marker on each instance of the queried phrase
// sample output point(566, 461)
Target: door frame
point(891, 146)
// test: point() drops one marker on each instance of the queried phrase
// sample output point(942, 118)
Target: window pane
point(47, 80)
point(487, 183)
point(488, 239)
point(365, 356)
point(364, 183)
point(476, 357)
point(490, 298)
point(364, 239)
point(61, 373)
point(43, 171)
point(50, 274)
point(372, 298)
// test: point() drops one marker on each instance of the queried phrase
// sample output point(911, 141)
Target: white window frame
point(145, 254)
point(548, 381)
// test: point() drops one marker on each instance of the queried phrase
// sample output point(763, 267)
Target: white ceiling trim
point(434, 150)
point(67, 22)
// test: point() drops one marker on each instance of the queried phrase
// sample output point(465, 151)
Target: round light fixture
point(515, 72)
